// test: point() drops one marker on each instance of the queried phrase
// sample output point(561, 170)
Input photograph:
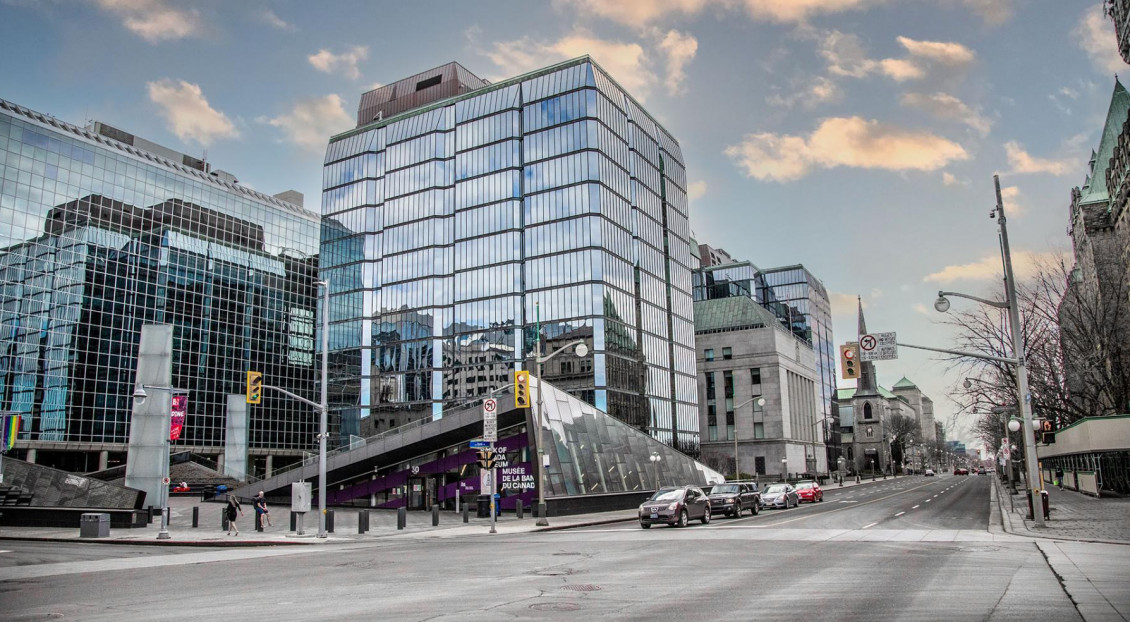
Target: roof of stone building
point(1095, 190)
point(905, 383)
point(733, 313)
point(848, 393)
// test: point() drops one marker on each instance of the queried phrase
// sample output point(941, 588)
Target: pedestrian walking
point(261, 512)
point(233, 508)
point(1059, 477)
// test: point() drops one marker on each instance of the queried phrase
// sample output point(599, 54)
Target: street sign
point(490, 420)
point(878, 347)
point(479, 444)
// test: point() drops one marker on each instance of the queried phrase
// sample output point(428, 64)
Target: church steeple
point(867, 384)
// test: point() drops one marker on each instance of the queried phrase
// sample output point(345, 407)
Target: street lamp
point(785, 470)
point(813, 459)
point(581, 350)
point(1010, 303)
point(760, 402)
point(840, 464)
point(655, 459)
point(872, 461)
point(139, 397)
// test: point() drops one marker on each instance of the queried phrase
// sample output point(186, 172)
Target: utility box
point(300, 493)
point(94, 525)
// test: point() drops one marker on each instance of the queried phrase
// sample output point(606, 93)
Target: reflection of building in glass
point(800, 303)
point(104, 232)
point(460, 215)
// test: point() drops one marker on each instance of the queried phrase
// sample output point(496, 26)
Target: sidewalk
point(1073, 516)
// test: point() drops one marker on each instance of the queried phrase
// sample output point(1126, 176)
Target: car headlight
point(673, 506)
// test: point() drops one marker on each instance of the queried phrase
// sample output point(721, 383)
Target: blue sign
point(480, 444)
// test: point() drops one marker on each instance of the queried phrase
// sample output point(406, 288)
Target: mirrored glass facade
point(97, 238)
point(453, 230)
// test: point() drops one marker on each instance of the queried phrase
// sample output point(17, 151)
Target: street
point(907, 549)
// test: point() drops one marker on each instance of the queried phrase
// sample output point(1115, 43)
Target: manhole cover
point(555, 607)
point(553, 572)
point(581, 587)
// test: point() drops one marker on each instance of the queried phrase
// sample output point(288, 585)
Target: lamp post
point(139, 396)
point(840, 464)
point(785, 470)
point(655, 459)
point(324, 408)
point(580, 350)
point(872, 461)
point(760, 402)
point(814, 459)
point(1011, 303)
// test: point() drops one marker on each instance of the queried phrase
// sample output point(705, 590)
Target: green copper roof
point(905, 383)
point(735, 312)
point(848, 393)
point(1095, 190)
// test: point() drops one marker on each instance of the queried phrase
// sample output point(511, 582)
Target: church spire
point(866, 385)
point(862, 323)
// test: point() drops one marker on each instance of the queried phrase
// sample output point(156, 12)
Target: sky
point(856, 137)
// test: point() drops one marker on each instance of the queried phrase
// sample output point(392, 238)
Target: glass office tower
point(461, 216)
point(103, 232)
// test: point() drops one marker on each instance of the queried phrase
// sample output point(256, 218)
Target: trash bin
point(94, 525)
point(483, 506)
point(1044, 503)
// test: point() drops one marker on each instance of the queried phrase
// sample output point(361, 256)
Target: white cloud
point(1024, 264)
point(312, 121)
point(949, 179)
point(1010, 196)
point(845, 55)
point(842, 141)
point(1094, 33)
point(994, 12)
point(795, 11)
point(844, 303)
point(946, 106)
point(633, 12)
point(1024, 163)
point(679, 49)
point(944, 52)
point(1069, 92)
point(821, 90)
point(188, 113)
point(271, 18)
point(921, 308)
point(154, 20)
point(625, 61)
point(696, 190)
point(901, 70)
point(346, 62)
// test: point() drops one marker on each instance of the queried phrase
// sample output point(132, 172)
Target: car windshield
point(803, 486)
point(777, 489)
point(725, 489)
point(667, 495)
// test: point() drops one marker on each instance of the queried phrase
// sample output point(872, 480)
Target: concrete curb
point(217, 544)
point(1006, 522)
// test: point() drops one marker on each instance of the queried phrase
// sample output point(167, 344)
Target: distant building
point(103, 232)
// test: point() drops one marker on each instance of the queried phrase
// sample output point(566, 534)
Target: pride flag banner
point(10, 430)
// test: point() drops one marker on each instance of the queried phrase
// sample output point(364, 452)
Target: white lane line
point(870, 526)
point(927, 501)
point(5, 551)
point(914, 508)
point(900, 513)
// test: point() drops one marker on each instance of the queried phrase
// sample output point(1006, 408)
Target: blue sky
point(858, 137)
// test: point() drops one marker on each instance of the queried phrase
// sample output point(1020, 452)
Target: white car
point(929, 472)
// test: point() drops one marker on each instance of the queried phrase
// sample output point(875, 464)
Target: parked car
point(675, 507)
point(810, 492)
point(929, 473)
point(733, 498)
point(780, 496)
point(961, 471)
point(981, 471)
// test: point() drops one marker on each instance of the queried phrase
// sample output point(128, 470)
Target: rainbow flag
point(10, 430)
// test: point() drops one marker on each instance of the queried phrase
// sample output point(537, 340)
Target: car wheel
point(645, 525)
point(706, 517)
point(737, 510)
point(682, 520)
point(755, 510)
point(821, 499)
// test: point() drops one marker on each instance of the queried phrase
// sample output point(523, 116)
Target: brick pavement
point(1073, 516)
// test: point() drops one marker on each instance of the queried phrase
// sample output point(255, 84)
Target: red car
point(809, 491)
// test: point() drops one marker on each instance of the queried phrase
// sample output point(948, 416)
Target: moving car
point(929, 473)
point(981, 471)
point(809, 491)
point(675, 507)
point(780, 496)
point(961, 471)
point(733, 498)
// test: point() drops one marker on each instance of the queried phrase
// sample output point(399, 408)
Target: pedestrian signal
point(849, 361)
point(521, 389)
point(254, 387)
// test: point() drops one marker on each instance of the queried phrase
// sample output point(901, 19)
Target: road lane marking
point(900, 513)
point(870, 526)
point(915, 507)
point(927, 501)
point(807, 515)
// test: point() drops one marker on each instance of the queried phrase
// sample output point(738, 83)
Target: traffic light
point(849, 360)
point(486, 458)
point(1047, 430)
point(254, 387)
point(521, 389)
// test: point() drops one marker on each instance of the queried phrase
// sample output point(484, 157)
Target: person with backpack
point(232, 509)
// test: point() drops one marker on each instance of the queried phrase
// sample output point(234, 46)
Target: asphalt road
point(852, 557)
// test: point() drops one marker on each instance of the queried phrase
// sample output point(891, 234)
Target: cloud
point(845, 55)
point(842, 141)
point(901, 70)
point(634, 12)
point(188, 113)
point(1010, 196)
point(797, 11)
point(1023, 163)
point(950, 180)
point(311, 122)
point(154, 20)
point(945, 106)
point(943, 52)
point(346, 62)
point(921, 308)
point(989, 268)
point(994, 12)
point(270, 18)
point(678, 49)
point(844, 303)
point(696, 190)
point(1094, 33)
point(625, 61)
point(821, 90)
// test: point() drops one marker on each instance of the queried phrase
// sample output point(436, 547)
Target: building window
point(759, 430)
point(709, 386)
point(727, 354)
point(728, 383)
point(759, 465)
point(730, 426)
point(867, 410)
point(586, 366)
point(755, 376)
point(708, 354)
point(712, 432)
point(566, 367)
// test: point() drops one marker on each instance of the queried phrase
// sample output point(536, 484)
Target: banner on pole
point(180, 410)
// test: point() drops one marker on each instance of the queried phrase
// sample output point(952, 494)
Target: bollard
point(294, 521)
point(224, 520)
point(435, 515)
point(329, 521)
point(401, 517)
point(195, 516)
point(150, 519)
point(259, 520)
point(466, 513)
point(363, 521)
point(518, 509)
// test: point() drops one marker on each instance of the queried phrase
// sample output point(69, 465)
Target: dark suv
point(733, 498)
point(675, 506)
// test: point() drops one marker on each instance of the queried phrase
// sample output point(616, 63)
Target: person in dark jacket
point(233, 508)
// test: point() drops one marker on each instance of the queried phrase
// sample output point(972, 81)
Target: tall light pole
point(324, 408)
point(139, 396)
point(815, 460)
point(760, 402)
point(655, 460)
point(1011, 303)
